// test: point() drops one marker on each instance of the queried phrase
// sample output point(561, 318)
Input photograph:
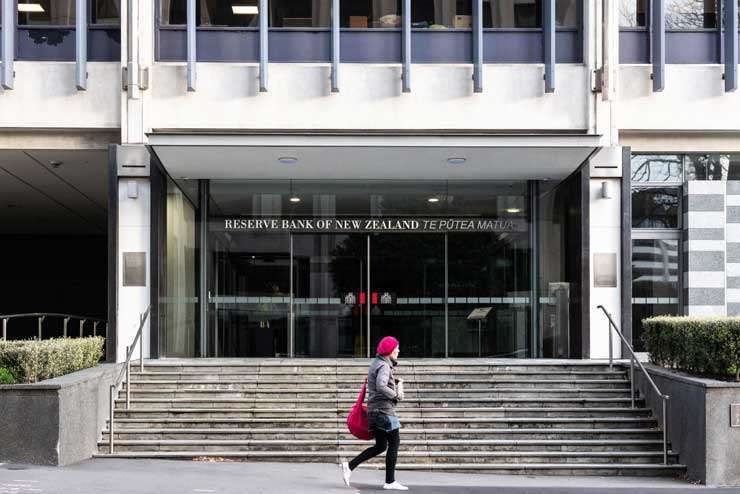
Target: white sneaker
point(395, 486)
point(346, 472)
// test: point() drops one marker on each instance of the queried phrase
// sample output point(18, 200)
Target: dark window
point(655, 287)
point(710, 166)
point(106, 12)
point(220, 13)
point(62, 12)
point(655, 207)
point(527, 13)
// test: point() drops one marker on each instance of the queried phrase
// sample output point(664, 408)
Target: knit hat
point(387, 345)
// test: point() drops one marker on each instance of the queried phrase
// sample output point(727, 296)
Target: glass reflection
point(655, 207)
point(657, 168)
point(690, 14)
point(633, 13)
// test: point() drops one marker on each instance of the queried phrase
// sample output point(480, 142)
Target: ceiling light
point(30, 7)
point(244, 9)
point(513, 210)
point(295, 199)
point(55, 163)
point(433, 200)
point(456, 161)
point(288, 160)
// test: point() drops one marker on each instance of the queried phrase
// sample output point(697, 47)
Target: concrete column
point(732, 233)
point(704, 248)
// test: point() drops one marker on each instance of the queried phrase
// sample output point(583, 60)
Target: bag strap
point(361, 396)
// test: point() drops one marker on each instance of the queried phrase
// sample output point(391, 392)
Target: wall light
point(433, 200)
point(606, 190)
point(513, 210)
point(288, 160)
point(30, 7)
point(245, 9)
point(456, 161)
point(295, 199)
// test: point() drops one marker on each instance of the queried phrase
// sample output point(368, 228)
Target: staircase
point(533, 417)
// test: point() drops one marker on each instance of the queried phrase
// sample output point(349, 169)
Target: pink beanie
point(387, 345)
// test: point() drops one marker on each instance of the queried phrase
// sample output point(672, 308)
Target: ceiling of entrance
point(53, 192)
point(372, 157)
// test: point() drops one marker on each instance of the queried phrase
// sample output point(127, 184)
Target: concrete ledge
point(57, 421)
point(698, 422)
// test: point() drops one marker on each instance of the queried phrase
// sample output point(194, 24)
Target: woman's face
point(394, 353)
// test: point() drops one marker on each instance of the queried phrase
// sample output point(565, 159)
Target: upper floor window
point(62, 12)
point(367, 14)
point(690, 14)
point(633, 13)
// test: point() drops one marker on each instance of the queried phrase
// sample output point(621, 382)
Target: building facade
point(301, 178)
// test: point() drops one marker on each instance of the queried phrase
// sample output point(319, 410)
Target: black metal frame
point(111, 337)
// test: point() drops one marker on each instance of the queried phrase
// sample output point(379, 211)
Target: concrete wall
point(58, 421)
point(698, 423)
point(45, 97)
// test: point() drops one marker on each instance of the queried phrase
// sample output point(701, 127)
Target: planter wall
point(698, 423)
point(57, 421)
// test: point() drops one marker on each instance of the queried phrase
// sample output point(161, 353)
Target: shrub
point(30, 361)
point(6, 377)
point(699, 345)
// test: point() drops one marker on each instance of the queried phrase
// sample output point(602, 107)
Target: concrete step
point(352, 447)
point(331, 433)
point(426, 412)
point(254, 374)
point(473, 423)
point(352, 385)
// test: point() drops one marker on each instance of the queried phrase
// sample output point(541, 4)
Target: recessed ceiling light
point(456, 161)
point(30, 7)
point(288, 160)
point(433, 199)
point(295, 199)
point(245, 9)
point(55, 163)
point(513, 210)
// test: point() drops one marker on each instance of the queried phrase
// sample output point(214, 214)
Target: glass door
point(329, 279)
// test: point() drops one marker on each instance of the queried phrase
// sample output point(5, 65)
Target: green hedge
point(699, 345)
point(6, 377)
point(31, 361)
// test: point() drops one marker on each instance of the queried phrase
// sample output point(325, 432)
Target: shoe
point(395, 486)
point(346, 472)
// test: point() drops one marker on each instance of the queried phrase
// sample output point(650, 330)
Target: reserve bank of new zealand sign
point(399, 225)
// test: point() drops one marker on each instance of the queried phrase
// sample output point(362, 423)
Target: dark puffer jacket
point(382, 390)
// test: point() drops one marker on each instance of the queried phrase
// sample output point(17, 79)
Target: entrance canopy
point(375, 156)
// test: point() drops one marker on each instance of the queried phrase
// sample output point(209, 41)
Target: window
point(633, 13)
point(62, 12)
point(657, 168)
point(712, 167)
point(690, 14)
point(655, 207)
point(527, 13)
point(363, 14)
point(219, 13)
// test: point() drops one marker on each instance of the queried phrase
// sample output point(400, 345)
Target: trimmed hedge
point(30, 361)
point(699, 345)
point(6, 377)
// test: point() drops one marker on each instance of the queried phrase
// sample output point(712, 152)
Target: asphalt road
point(111, 476)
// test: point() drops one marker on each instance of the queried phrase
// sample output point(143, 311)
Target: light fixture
point(30, 7)
point(288, 160)
point(513, 210)
point(433, 200)
point(456, 161)
point(295, 199)
point(55, 163)
point(245, 9)
point(606, 190)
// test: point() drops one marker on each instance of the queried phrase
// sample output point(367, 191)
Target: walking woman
point(384, 391)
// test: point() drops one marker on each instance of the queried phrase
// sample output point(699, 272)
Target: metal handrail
point(633, 359)
point(43, 315)
point(126, 372)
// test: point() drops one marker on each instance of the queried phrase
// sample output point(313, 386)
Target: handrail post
point(112, 403)
point(66, 321)
point(5, 329)
point(665, 429)
point(141, 344)
point(611, 347)
point(128, 381)
point(632, 380)
point(41, 323)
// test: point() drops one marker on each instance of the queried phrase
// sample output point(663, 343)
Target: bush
point(699, 345)
point(6, 377)
point(31, 361)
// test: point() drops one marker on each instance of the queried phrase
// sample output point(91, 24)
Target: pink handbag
point(357, 418)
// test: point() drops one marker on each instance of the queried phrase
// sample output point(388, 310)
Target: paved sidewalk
point(114, 476)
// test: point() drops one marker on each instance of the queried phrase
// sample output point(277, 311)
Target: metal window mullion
point(8, 50)
point(478, 46)
point(264, 52)
point(335, 46)
point(730, 44)
point(191, 46)
point(81, 45)
point(406, 46)
point(657, 43)
point(548, 33)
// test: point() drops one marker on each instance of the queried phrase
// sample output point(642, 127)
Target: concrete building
point(304, 182)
